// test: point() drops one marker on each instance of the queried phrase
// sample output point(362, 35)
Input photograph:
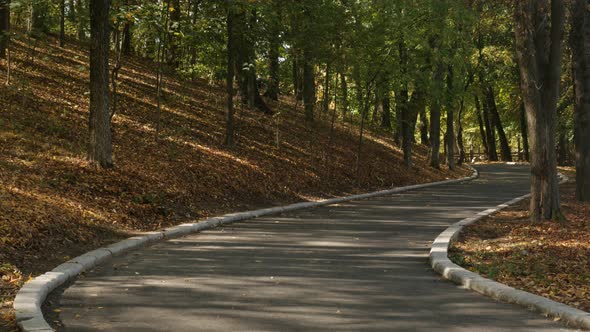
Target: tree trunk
point(39, 12)
point(580, 44)
point(4, 27)
point(127, 37)
point(80, 15)
point(460, 144)
point(273, 54)
point(435, 107)
point(344, 88)
point(490, 132)
point(399, 97)
point(297, 86)
point(385, 101)
point(504, 146)
point(482, 132)
point(424, 127)
point(407, 133)
point(386, 115)
point(416, 104)
point(524, 133)
point(539, 52)
point(174, 29)
point(359, 90)
point(62, 24)
point(71, 11)
point(245, 61)
point(326, 96)
point(231, 64)
point(100, 142)
point(450, 134)
point(308, 87)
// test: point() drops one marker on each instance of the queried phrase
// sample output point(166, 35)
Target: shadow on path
point(357, 266)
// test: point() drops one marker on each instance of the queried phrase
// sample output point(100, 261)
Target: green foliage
point(391, 45)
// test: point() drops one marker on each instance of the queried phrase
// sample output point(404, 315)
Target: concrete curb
point(31, 296)
point(440, 262)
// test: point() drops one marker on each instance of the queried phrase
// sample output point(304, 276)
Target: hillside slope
point(54, 206)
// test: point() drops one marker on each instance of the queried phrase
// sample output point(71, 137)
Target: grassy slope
point(53, 205)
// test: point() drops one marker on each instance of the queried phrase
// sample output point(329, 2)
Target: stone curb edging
point(440, 262)
point(29, 299)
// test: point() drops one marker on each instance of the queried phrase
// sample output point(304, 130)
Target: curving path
point(357, 266)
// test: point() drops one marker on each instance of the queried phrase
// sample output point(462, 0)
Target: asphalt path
point(356, 266)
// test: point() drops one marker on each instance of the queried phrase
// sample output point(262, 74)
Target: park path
point(356, 266)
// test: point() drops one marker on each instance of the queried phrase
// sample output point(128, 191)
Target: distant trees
point(100, 137)
point(539, 50)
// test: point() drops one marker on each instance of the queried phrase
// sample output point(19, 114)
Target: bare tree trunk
point(344, 88)
point(580, 44)
point(115, 72)
point(71, 11)
point(364, 110)
point(100, 141)
point(245, 59)
point(424, 127)
point(435, 107)
point(309, 97)
point(408, 107)
point(386, 109)
point(524, 133)
point(127, 36)
point(450, 134)
point(495, 117)
point(229, 125)
point(482, 132)
point(490, 132)
point(460, 143)
point(273, 54)
point(416, 104)
point(297, 81)
point(173, 40)
point(326, 96)
point(39, 14)
point(62, 24)
point(80, 15)
point(4, 27)
point(539, 53)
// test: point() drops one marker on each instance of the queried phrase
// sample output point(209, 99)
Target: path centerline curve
point(355, 266)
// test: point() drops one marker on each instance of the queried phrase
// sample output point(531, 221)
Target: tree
point(274, 45)
point(173, 32)
point(39, 17)
point(4, 26)
point(229, 126)
point(450, 134)
point(435, 107)
point(62, 23)
point(580, 44)
point(524, 133)
point(82, 19)
point(100, 138)
point(539, 52)
point(482, 128)
point(497, 122)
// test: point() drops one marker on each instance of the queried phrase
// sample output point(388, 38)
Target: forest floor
point(549, 259)
point(55, 206)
